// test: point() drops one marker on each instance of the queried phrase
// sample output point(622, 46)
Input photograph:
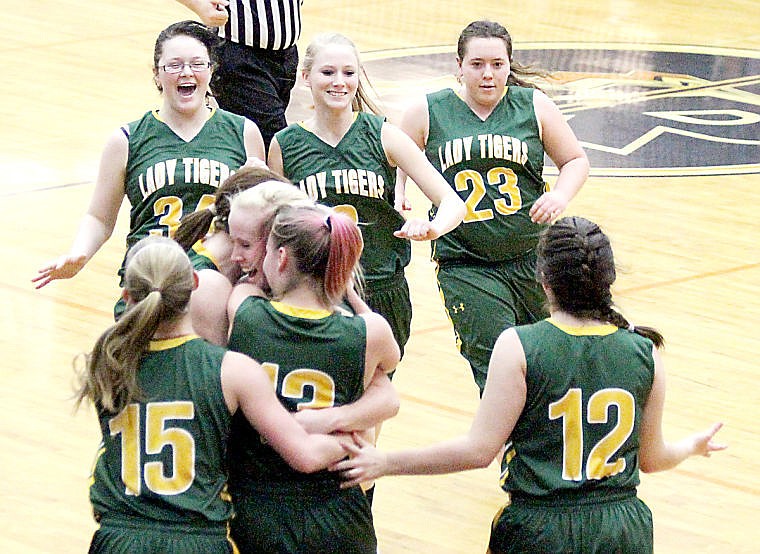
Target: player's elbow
point(650, 464)
point(482, 460)
point(393, 406)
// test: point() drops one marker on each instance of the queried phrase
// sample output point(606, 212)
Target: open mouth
point(186, 90)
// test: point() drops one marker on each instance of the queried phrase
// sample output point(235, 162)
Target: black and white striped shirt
point(268, 24)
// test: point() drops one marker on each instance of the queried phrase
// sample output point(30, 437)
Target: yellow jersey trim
point(585, 330)
point(303, 125)
point(165, 344)
point(200, 248)
point(303, 313)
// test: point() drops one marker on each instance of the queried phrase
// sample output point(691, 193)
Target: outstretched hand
point(417, 229)
point(64, 267)
point(704, 444)
point(365, 463)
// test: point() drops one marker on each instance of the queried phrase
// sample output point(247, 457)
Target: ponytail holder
point(212, 209)
point(631, 327)
point(328, 223)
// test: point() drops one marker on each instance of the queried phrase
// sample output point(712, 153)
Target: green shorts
point(390, 298)
point(286, 520)
point(124, 537)
point(618, 523)
point(482, 300)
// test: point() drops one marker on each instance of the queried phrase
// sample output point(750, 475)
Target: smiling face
point(333, 77)
point(484, 69)
point(271, 268)
point(184, 91)
point(249, 238)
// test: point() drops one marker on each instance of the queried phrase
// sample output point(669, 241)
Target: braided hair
point(575, 262)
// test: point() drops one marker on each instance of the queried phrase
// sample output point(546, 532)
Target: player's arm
point(415, 122)
point(208, 306)
point(379, 401)
point(247, 386)
point(254, 144)
point(403, 152)
point(98, 223)
point(564, 149)
point(502, 403)
point(274, 158)
point(655, 454)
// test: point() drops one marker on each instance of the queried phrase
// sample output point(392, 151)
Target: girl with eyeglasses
point(170, 161)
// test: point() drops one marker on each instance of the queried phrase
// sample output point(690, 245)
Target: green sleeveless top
point(495, 166)
point(355, 177)
point(167, 177)
point(315, 359)
point(201, 258)
point(579, 429)
point(163, 459)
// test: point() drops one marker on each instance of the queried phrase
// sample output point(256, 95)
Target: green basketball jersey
point(579, 429)
point(354, 176)
point(315, 359)
point(163, 459)
point(201, 258)
point(167, 177)
point(496, 168)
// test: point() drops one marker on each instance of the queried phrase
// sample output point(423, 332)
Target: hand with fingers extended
point(64, 267)
point(417, 229)
point(365, 463)
point(704, 444)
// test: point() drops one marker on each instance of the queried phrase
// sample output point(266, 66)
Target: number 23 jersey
point(495, 165)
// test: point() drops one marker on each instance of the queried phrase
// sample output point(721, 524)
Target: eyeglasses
point(178, 67)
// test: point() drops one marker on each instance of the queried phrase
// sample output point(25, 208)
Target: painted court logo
point(638, 110)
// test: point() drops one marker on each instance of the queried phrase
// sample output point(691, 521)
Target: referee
point(258, 59)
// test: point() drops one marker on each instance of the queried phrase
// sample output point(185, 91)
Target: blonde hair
point(159, 281)
point(194, 226)
point(268, 198)
point(361, 102)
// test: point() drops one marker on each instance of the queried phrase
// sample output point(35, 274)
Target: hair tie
point(212, 209)
point(328, 223)
point(631, 327)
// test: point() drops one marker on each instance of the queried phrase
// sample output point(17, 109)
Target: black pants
point(256, 83)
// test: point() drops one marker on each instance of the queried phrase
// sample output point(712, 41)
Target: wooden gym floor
point(686, 240)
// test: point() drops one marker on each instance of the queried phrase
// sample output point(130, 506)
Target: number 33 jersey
point(168, 177)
